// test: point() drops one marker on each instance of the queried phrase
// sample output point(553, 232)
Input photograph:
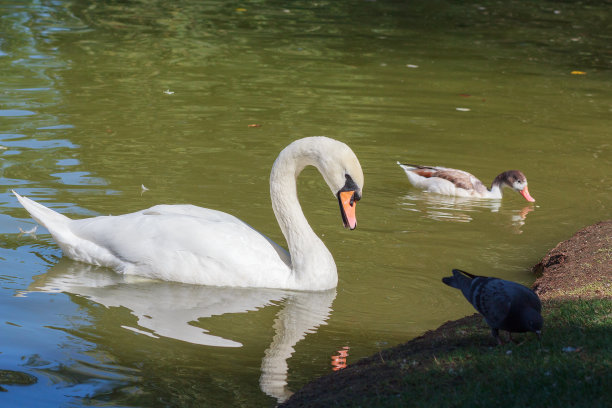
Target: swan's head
point(334, 160)
point(342, 172)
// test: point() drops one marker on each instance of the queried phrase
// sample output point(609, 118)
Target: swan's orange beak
point(347, 208)
point(525, 193)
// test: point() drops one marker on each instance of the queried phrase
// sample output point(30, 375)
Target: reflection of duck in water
point(178, 311)
point(460, 183)
point(463, 209)
point(190, 244)
point(518, 220)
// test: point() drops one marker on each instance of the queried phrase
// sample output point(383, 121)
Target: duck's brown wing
point(461, 179)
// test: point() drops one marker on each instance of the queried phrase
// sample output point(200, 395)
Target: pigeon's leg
point(495, 333)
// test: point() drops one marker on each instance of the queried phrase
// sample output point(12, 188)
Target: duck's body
point(191, 244)
point(453, 182)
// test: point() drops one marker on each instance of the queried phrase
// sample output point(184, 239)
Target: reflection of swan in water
point(167, 308)
point(302, 314)
point(458, 209)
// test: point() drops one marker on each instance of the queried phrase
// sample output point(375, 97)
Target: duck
point(195, 245)
point(453, 182)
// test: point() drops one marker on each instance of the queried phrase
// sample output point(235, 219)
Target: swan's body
point(191, 244)
point(460, 183)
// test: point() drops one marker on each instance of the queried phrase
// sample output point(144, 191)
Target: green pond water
point(100, 98)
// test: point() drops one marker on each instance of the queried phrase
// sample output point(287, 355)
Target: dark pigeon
point(505, 305)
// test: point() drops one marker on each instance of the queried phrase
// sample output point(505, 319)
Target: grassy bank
point(570, 367)
point(459, 364)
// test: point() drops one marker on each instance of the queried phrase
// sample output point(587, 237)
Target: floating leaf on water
point(254, 125)
point(463, 109)
point(578, 73)
point(168, 92)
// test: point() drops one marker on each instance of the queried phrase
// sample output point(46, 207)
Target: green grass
point(531, 374)
point(588, 290)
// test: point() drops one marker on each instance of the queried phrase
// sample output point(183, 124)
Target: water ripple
point(16, 112)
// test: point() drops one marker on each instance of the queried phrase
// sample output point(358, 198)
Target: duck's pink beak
point(525, 193)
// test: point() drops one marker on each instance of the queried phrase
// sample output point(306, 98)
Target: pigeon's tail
point(460, 280)
point(43, 215)
point(469, 275)
point(450, 281)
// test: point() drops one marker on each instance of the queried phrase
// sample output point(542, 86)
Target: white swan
point(191, 244)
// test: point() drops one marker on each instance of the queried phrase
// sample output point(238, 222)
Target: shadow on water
point(180, 311)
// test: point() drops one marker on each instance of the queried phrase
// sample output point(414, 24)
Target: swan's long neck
point(312, 265)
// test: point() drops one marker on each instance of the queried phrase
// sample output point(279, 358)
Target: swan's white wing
point(182, 243)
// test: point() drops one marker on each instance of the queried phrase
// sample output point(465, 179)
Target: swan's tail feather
point(41, 214)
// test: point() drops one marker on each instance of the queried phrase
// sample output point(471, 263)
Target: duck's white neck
point(495, 191)
point(312, 265)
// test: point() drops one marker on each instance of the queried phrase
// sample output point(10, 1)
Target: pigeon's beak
point(348, 202)
point(525, 193)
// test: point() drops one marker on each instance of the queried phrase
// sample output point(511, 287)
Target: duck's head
point(516, 180)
